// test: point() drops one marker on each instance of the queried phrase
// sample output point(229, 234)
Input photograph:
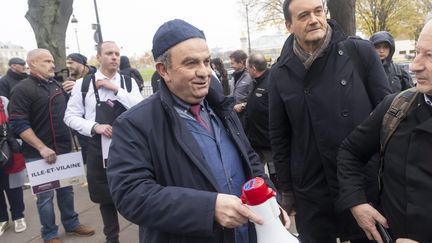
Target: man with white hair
point(404, 207)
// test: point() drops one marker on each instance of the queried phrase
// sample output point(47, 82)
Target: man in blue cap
point(178, 160)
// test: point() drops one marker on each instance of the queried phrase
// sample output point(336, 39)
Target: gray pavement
point(88, 214)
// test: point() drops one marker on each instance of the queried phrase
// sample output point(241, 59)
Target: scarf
point(306, 58)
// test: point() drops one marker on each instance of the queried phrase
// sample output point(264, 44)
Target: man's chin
point(424, 89)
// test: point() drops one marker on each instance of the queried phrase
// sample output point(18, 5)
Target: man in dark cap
point(76, 63)
point(16, 73)
point(188, 189)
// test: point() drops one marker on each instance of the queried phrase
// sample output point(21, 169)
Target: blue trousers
point(45, 206)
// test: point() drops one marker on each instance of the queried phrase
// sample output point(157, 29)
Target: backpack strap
point(351, 48)
point(128, 82)
point(87, 79)
point(396, 113)
point(85, 86)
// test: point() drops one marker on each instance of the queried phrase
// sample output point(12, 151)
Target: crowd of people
point(337, 128)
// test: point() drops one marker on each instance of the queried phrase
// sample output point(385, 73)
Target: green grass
point(147, 73)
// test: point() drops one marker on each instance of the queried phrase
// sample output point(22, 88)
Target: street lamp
point(74, 22)
point(98, 31)
point(246, 4)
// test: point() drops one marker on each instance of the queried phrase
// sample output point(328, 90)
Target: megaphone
point(262, 201)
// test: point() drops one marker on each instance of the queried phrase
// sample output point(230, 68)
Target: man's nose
point(416, 64)
point(203, 71)
point(313, 19)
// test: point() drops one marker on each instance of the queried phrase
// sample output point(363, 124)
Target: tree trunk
point(49, 20)
point(343, 11)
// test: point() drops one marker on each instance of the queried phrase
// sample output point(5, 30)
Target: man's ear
point(288, 25)
point(162, 70)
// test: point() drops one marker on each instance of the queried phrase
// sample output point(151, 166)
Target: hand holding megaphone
point(231, 213)
point(261, 200)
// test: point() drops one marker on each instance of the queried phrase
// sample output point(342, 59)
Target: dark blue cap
point(77, 57)
point(171, 33)
point(17, 60)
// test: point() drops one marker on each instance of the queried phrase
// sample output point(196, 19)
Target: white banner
point(67, 170)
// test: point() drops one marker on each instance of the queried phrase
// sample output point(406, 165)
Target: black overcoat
point(311, 112)
point(407, 182)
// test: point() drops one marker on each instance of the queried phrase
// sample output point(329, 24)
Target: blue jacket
point(157, 177)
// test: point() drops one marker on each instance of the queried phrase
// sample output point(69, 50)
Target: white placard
point(67, 170)
point(105, 144)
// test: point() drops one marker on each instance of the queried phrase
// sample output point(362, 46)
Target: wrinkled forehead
point(425, 37)
point(299, 6)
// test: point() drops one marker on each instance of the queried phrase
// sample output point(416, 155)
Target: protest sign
point(67, 170)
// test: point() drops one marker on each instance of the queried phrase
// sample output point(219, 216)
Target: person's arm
point(75, 111)
point(243, 88)
point(4, 87)
point(30, 138)
point(354, 152)
point(376, 83)
point(19, 110)
point(127, 99)
point(404, 240)
point(280, 139)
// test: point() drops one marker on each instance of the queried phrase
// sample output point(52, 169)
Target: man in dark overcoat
point(405, 206)
point(178, 159)
point(317, 97)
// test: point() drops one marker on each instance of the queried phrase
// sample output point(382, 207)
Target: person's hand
point(48, 155)
point(104, 129)
point(68, 85)
point(366, 217)
point(231, 213)
point(287, 202)
point(285, 218)
point(239, 107)
point(105, 83)
point(403, 240)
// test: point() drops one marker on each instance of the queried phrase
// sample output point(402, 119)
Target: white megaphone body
point(262, 201)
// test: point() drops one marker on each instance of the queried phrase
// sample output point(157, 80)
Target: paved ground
point(88, 214)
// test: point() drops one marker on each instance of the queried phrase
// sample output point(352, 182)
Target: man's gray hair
point(165, 59)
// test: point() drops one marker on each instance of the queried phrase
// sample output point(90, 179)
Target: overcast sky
point(132, 23)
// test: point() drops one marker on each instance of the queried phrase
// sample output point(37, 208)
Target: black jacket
point(40, 105)
point(257, 113)
point(407, 182)
point(157, 177)
point(398, 78)
point(8, 81)
point(311, 112)
point(126, 69)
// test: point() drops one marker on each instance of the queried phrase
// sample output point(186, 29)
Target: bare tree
point(49, 20)
point(270, 13)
